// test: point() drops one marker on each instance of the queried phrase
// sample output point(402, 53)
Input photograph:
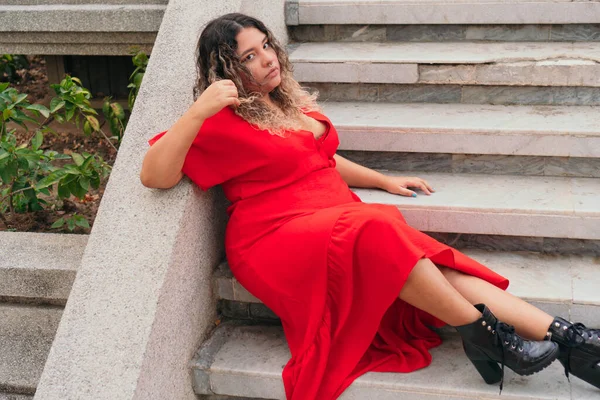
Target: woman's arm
point(356, 175)
point(163, 162)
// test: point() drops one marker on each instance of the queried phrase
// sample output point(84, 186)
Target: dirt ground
point(69, 139)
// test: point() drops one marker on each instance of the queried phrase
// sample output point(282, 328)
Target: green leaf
point(40, 108)
point(9, 171)
point(78, 189)
point(56, 104)
point(78, 159)
point(106, 107)
point(94, 122)
point(87, 128)
point(58, 223)
point(87, 109)
point(75, 189)
point(37, 140)
point(70, 113)
point(84, 183)
point(117, 110)
point(63, 190)
point(51, 179)
point(45, 191)
point(87, 162)
point(8, 113)
point(3, 86)
point(137, 79)
point(71, 224)
point(75, 79)
point(20, 98)
point(82, 222)
point(95, 180)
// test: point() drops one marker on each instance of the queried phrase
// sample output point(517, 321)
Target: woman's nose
point(269, 58)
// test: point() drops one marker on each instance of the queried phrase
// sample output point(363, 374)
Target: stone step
point(80, 2)
point(26, 334)
point(467, 128)
point(464, 63)
point(451, 94)
point(108, 28)
point(500, 205)
point(246, 362)
point(378, 32)
point(315, 12)
point(493, 164)
point(558, 284)
point(39, 267)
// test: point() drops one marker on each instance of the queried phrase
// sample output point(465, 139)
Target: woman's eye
point(249, 57)
point(266, 45)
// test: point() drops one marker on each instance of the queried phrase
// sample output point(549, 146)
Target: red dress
point(330, 266)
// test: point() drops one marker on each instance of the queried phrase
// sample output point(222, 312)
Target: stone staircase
point(494, 104)
point(36, 274)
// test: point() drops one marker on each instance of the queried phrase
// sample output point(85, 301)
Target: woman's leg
point(529, 321)
point(427, 289)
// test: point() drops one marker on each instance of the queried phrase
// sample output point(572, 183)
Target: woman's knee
point(449, 273)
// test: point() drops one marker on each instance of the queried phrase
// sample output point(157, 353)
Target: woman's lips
point(272, 74)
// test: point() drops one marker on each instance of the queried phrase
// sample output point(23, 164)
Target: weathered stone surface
point(53, 2)
point(447, 12)
point(466, 94)
point(445, 33)
point(12, 396)
point(354, 72)
point(531, 95)
point(251, 360)
point(39, 267)
point(555, 283)
point(79, 43)
point(26, 334)
point(467, 129)
point(143, 299)
point(82, 17)
point(472, 63)
point(542, 73)
point(500, 205)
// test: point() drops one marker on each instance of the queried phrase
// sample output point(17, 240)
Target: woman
point(355, 287)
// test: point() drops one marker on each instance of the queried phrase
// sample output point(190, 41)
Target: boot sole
point(491, 372)
point(590, 373)
point(539, 366)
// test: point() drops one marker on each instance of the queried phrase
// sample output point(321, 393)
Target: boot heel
point(489, 371)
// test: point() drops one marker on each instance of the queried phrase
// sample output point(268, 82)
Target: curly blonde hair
point(217, 59)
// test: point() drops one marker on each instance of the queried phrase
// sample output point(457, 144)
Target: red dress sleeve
point(220, 151)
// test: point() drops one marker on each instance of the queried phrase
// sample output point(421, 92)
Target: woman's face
point(256, 53)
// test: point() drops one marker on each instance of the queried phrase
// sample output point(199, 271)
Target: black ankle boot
point(488, 342)
point(579, 349)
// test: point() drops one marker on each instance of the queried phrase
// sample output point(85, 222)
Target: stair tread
point(250, 361)
point(562, 131)
point(444, 11)
point(500, 205)
point(26, 334)
point(39, 266)
point(559, 284)
point(584, 53)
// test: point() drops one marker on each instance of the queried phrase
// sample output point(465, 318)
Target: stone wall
point(142, 301)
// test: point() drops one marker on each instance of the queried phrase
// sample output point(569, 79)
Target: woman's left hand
point(400, 184)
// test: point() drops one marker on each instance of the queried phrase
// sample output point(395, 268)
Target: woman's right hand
point(217, 96)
